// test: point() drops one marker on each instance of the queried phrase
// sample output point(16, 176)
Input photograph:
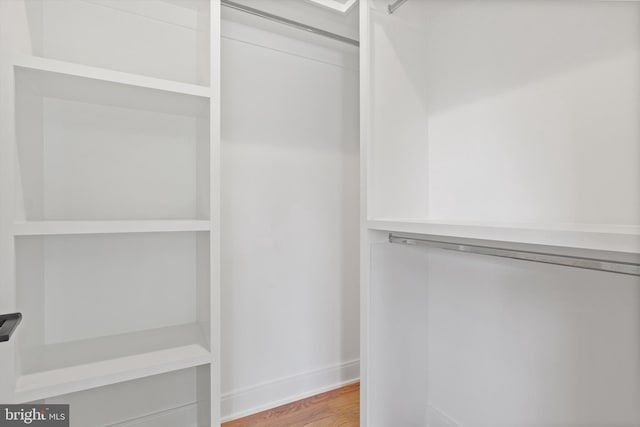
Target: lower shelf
point(178, 398)
point(57, 369)
point(184, 416)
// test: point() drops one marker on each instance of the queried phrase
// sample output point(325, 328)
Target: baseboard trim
point(271, 394)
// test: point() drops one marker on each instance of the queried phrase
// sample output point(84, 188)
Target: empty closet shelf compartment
point(104, 308)
point(178, 398)
point(544, 131)
point(167, 39)
point(92, 146)
point(68, 367)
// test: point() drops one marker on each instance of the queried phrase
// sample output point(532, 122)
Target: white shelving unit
point(109, 227)
point(507, 125)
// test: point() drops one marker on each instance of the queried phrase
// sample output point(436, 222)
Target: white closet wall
point(290, 215)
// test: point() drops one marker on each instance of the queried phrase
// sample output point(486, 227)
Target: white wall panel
point(290, 214)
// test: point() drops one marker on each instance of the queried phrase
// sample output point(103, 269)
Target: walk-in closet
point(304, 213)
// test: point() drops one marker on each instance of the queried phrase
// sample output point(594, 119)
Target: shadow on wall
point(466, 55)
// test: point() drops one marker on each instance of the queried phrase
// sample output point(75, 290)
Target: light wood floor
point(337, 408)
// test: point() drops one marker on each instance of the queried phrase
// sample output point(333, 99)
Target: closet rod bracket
point(395, 6)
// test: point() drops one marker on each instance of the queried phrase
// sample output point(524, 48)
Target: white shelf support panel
point(546, 258)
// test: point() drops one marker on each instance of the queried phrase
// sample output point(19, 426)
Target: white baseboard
point(250, 400)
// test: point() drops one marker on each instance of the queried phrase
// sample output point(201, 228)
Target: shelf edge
point(112, 76)
point(625, 241)
point(83, 377)
point(52, 228)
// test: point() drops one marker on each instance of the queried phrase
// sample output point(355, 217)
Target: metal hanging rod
point(395, 5)
point(546, 258)
point(289, 22)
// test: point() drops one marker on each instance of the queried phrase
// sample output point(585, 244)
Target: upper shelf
point(78, 70)
point(611, 238)
point(75, 82)
point(167, 39)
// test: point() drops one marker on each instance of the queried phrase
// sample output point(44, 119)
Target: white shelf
point(57, 369)
point(81, 83)
point(93, 146)
point(40, 228)
point(612, 238)
point(106, 75)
